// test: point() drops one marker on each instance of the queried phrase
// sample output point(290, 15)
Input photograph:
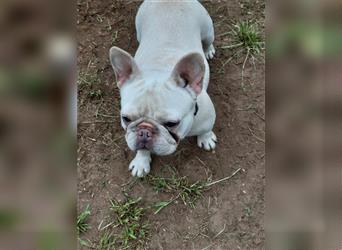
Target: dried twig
point(223, 179)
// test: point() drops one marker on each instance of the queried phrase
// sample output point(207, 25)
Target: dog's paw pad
point(139, 166)
point(209, 54)
point(207, 141)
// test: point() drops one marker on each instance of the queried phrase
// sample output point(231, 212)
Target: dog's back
point(170, 29)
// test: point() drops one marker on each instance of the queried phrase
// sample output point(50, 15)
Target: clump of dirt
point(227, 216)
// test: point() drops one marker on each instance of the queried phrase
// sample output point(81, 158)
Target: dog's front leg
point(140, 165)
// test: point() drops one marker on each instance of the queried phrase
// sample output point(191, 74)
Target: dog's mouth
point(174, 136)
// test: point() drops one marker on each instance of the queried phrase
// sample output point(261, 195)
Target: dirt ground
point(230, 214)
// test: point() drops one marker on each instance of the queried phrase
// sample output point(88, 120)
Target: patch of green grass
point(82, 218)
point(85, 242)
point(83, 226)
point(129, 220)
point(129, 229)
point(127, 211)
point(107, 241)
point(134, 232)
point(246, 40)
point(246, 35)
point(188, 192)
point(159, 183)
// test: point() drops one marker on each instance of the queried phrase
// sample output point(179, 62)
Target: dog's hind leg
point(207, 37)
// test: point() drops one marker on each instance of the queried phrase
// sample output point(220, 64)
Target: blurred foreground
point(37, 125)
point(304, 125)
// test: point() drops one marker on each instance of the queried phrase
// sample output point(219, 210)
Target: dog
point(163, 89)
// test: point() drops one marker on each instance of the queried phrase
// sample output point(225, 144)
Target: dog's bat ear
point(189, 71)
point(123, 64)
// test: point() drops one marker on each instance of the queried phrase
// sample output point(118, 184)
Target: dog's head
point(157, 112)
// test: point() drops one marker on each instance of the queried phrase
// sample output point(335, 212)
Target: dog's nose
point(144, 135)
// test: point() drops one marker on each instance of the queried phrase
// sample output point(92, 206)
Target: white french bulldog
point(164, 87)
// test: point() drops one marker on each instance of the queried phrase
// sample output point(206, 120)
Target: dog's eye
point(171, 124)
point(126, 119)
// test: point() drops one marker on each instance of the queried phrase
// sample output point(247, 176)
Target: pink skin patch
point(122, 80)
point(146, 125)
point(197, 85)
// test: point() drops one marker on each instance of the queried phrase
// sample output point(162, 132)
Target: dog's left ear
point(189, 71)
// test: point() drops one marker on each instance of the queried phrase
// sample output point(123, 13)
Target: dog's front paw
point(210, 52)
point(140, 166)
point(207, 141)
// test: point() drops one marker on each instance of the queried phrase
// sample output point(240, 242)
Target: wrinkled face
point(157, 111)
point(156, 115)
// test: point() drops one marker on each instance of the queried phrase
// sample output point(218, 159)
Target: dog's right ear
point(123, 64)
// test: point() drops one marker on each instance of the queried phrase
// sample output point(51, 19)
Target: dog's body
point(163, 89)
